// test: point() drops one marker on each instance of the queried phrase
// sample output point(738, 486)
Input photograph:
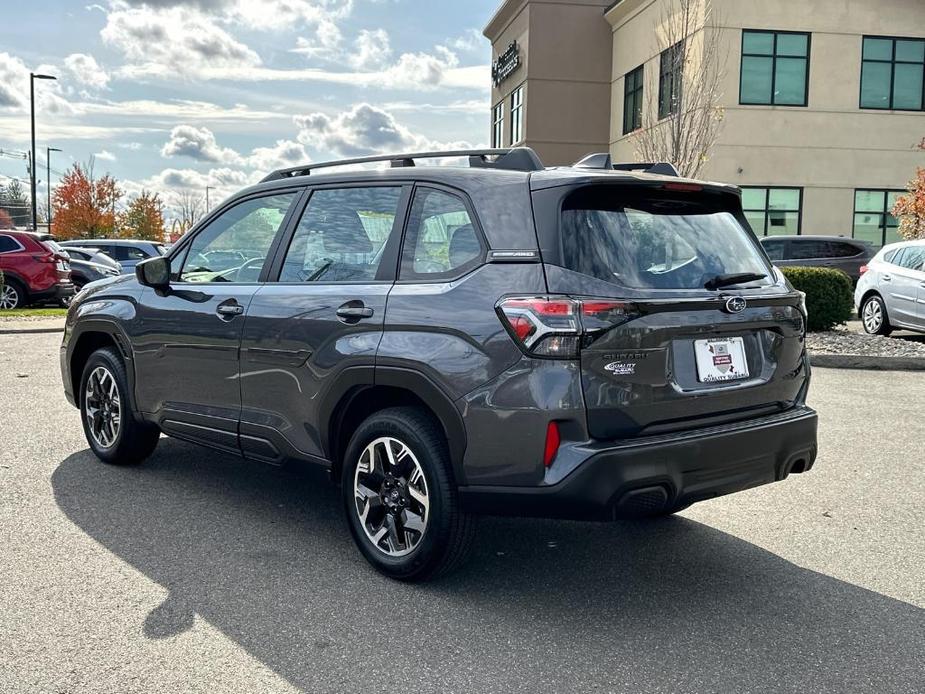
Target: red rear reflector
point(863, 269)
point(552, 443)
point(522, 327)
point(683, 187)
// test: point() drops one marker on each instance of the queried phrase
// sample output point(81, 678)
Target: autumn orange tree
point(144, 218)
point(85, 206)
point(6, 222)
point(910, 208)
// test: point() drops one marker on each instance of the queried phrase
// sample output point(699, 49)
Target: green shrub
point(829, 295)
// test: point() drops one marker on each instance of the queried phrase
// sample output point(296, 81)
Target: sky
point(182, 94)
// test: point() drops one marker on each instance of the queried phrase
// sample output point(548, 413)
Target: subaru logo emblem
point(735, 304)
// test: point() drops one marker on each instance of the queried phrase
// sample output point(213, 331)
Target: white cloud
point(86, 71)
point(284, 153)
point(199, 144)
point(470, 41)
point(371, 50)
point(12, 74)
point(105, 155)
point(281, 14)
point(173, 42)
point(326, 43)
point(364, 129)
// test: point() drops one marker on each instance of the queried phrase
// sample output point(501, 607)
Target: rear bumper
point(654, 474)
point(60, 290)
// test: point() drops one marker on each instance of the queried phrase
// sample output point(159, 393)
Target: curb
point(857, 361)
point(31, 331)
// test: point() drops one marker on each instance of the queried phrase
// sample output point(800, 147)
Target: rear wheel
point(12, 294)
point(400, 497)
point(113, 432)
point(874, 317)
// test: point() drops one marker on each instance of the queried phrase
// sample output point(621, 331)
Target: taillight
point(863, 269)
point(544, 326)
point(552, 443)
point(553, 326)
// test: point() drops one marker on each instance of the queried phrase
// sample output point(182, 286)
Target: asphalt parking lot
point(198, 572)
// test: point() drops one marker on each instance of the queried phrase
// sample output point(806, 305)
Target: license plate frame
point(721, 359)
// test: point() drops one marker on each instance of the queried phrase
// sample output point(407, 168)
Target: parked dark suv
point(578, 342)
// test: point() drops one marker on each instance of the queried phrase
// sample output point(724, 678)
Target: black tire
point(12, 290)
point(134, 440)
point(447, 539)
point(872, 304)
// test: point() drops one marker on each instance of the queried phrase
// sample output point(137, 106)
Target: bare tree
point(189, 207)
point(681, 120)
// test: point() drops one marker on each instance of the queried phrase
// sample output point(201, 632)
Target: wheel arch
point(359, 397)
point(90, 337)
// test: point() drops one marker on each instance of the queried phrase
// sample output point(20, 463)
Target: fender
point(438, 401)
point(114, 330)
point(351, 383)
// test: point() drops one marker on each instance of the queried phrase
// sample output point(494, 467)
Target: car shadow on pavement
point(263, 555)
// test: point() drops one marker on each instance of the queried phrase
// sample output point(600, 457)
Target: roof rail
point(514, 159)
point(602, 160)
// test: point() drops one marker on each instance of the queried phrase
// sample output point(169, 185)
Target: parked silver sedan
point(891, 292)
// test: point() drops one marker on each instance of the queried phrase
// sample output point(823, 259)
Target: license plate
point(720, 359)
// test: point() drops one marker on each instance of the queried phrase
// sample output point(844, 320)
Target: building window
point(632, 100)
point(669, 80)
point(497, 125)
point(517, 115)
point(873, 221)
point(773, 211)
point(774, 68)
point(893, 74)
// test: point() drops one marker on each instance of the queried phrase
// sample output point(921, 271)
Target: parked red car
point(34, 269)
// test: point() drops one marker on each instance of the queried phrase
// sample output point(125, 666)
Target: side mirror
point(154, 272)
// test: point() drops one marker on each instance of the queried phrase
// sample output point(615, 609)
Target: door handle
point(886, 278)
point(353, 311)
point(229, 310)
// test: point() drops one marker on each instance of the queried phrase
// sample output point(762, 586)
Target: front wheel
point(113, 432)
point(874, 317)
point(400, 497)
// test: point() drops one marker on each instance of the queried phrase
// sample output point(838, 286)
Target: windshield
point(656, 244)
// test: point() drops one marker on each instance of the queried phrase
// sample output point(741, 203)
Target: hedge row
point(829, 295)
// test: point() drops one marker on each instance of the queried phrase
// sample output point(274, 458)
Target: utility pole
point(208, 188)
point(48, 151)
point(32, 78)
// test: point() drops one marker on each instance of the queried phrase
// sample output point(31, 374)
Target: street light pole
point(48, 151)
point(32, 78)
point(208, 188)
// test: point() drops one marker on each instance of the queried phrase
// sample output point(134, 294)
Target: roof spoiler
point(602, 160)
point(512, 159)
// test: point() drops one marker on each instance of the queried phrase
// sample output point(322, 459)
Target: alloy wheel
point(9, 297)
point(102, 407)
point(873, 316)
point(391, 496)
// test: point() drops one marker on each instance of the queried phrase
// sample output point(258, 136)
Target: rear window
point(652, 241)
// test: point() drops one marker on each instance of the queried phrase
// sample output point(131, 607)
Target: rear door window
point(129, 253)
point(8, 244)
point(654, 241)
point(342, 235)
point(913, 258)
point(808, 249)
point(837, 249)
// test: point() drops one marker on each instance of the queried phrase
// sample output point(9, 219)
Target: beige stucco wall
point(831, 147)
point(566, 72)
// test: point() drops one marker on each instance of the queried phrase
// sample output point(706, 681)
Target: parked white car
point(891, 292)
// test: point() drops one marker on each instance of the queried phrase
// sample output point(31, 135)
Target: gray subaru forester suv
point(588, 342)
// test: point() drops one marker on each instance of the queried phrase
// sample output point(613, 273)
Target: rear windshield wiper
point(734, 278)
